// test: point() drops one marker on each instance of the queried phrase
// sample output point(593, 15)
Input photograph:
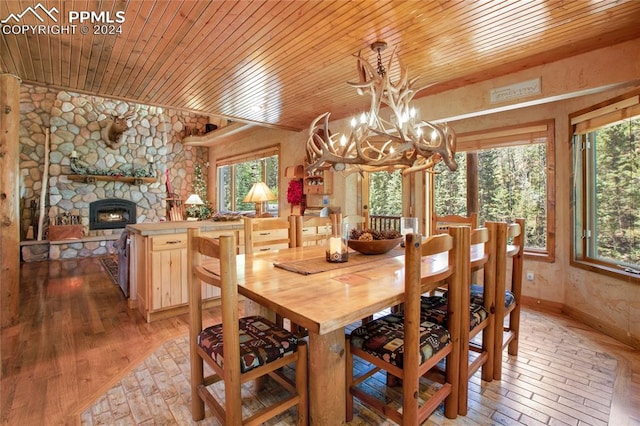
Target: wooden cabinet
point(319, 182)
point(159, 268)
point(168, 271)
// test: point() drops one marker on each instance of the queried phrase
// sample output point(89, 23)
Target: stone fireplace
point(154, 139)
point(111, 213)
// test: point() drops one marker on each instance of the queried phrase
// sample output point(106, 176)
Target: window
point(504, 174)
point(606, 196)
point(385, 193)
point(237, 175)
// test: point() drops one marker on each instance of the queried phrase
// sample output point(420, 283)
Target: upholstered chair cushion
point(434, 309)
point(477, 296)
point(261, 342)
point(384, 338)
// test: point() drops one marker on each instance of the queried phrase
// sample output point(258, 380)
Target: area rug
point(110, 263)
point(557, 377)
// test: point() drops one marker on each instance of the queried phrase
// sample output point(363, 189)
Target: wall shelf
point(319, 182)
point(127, 179)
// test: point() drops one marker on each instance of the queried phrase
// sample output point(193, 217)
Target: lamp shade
point(194, 200)
point(259, 192)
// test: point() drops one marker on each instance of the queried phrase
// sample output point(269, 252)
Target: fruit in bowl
point(371, 241)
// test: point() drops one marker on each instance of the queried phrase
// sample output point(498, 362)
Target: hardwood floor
point(77, 339)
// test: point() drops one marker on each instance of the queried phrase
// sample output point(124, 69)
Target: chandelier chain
point(381, 70)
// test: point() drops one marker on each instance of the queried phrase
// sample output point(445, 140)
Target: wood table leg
point(327, 378)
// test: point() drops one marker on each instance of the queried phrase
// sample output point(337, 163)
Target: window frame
point(511, 136)
point(580, 123)
point(263, 153)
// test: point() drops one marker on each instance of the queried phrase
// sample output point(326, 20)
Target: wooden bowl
point(374, 246)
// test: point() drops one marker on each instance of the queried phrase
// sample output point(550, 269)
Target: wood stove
point(111, 213)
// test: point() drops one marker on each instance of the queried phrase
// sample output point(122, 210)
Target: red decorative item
point(294, 192)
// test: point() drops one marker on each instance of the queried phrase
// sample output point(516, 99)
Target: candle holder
point(337, 248)
point(408, 225)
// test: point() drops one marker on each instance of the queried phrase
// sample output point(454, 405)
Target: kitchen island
point(158, 265)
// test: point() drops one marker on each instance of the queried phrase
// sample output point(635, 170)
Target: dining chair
point(475, 317)
point(264, 234)
point(509, 245)
point(404, 345)
point(440, 224)
point(239, 349)
point(311, 230)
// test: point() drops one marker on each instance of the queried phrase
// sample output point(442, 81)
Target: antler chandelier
point(398, 140)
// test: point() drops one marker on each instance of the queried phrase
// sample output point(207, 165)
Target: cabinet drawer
point(268, 235)
point(169, 242)
point(271, 247)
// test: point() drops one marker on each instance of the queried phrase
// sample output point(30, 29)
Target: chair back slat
point(479, 242)
point(256, 225)
point(319, 224)
point(441, 224)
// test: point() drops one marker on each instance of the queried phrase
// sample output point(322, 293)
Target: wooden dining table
point(325, 303)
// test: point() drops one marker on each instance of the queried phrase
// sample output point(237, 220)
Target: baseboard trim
point(541, 304)
point(586, 319)
point(596, 323)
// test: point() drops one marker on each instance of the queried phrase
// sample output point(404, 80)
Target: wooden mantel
point(126, 179)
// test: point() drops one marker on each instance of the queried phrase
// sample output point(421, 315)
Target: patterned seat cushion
point(477, 296)
point(434, 309)
point(261, 342)
point(384, 338)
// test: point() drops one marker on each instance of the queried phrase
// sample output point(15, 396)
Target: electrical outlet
point(530, 276)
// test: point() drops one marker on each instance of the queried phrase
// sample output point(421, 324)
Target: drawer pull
point(265, 233)
point(174, 242)
point(265, 249)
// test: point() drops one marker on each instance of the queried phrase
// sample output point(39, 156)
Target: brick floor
point(558, 378)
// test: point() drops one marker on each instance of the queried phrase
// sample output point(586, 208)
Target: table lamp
point(258, 194)
point(193, 200)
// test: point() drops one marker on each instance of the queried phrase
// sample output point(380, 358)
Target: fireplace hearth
point(111, 213)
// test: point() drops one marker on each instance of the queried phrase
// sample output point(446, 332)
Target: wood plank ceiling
point(282, 63)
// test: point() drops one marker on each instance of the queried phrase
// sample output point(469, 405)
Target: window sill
point(607, 270)
point(539, 256)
